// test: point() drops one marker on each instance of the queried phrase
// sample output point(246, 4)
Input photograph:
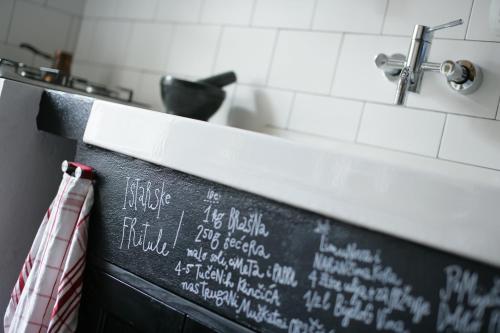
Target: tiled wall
point(46, 24)
point(305, 67)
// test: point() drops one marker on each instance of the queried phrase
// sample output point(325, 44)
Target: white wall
point(305, 67)
point(46, 24)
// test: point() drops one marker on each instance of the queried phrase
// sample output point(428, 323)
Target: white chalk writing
point(354, 285)
point(462, 306)
point(234, 258)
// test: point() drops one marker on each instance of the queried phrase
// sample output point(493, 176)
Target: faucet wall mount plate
point(462, 76)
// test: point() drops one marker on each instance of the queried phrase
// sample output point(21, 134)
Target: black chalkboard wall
point(276, 268)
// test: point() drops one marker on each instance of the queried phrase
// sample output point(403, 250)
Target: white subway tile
point(305, 60)
point(179, 11)
point(253, 108)
point(6, 7)
point(149, 91)
point(472, 140)
point(110, 43)
point(41, 62)
point(402, 15)
point(399, 128)
point(356, 74)
point(193, 50)
point(227, 11)
point(479, 24)
point(76, 7)
point(310, 140)
point(73, 34)
point(326, 116)
point(149, 45)
point(353, 15)
point(128, 79)
point(97, 73)
point(79, 69)
point(100, 8)
point(50, 31)
point(222, 114)
point(133, 9)
point(85, 38)
point(283, 13)
point(436, 95)
point(246, 51)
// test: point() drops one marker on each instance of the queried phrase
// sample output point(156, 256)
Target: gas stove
point(52, 79)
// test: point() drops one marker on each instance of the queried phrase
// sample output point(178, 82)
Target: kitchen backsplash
point(305, 67)
point(46, 24)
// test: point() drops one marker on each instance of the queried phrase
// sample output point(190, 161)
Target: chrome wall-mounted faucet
point(462, 76)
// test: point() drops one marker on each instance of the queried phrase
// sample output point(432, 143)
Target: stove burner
point(53, 77)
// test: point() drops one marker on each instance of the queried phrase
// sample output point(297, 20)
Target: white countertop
point(445, 205)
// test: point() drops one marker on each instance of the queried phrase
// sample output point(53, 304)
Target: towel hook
point(77, 169)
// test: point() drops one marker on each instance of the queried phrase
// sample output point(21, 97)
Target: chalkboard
point(276, 268)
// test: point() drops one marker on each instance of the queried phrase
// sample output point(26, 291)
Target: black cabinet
point(192, 326)
point(110, 305)
point(301, 272)
point(183, 254)
point(115, 300)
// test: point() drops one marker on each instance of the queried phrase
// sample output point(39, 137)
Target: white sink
point(445, 205)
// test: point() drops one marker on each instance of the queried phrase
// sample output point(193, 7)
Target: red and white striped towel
point(47, 294)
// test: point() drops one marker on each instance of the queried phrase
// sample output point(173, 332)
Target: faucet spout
point(410, 77)
point(403, 85)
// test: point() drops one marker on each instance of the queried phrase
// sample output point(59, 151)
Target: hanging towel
point(47, 294)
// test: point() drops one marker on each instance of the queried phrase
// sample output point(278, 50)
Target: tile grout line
point(358, 128)
point(68, 36)
point(9, 26)
point(290, 111)
point(92, 38)
point(233, 97)
point(427, 156)
point(373, 146)
point(468, 20)
point(53, 8)
point(365, 100)
point(442, 136)
point(498, 110)
point(252, 12)
point(283, 28)
point(468, 164)
point(310, 134)
point(217, 48)
point(384, 17)
point(202, 8)
point(271, 63)
point(337, 62)
point(131, 28)
point(156, 8)
point(313, 16)
point(169, 55)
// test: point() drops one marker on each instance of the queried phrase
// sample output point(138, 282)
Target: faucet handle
point(446, 25)
point(390, 65)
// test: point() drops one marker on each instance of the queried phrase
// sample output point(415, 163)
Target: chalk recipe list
point(275, 268)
